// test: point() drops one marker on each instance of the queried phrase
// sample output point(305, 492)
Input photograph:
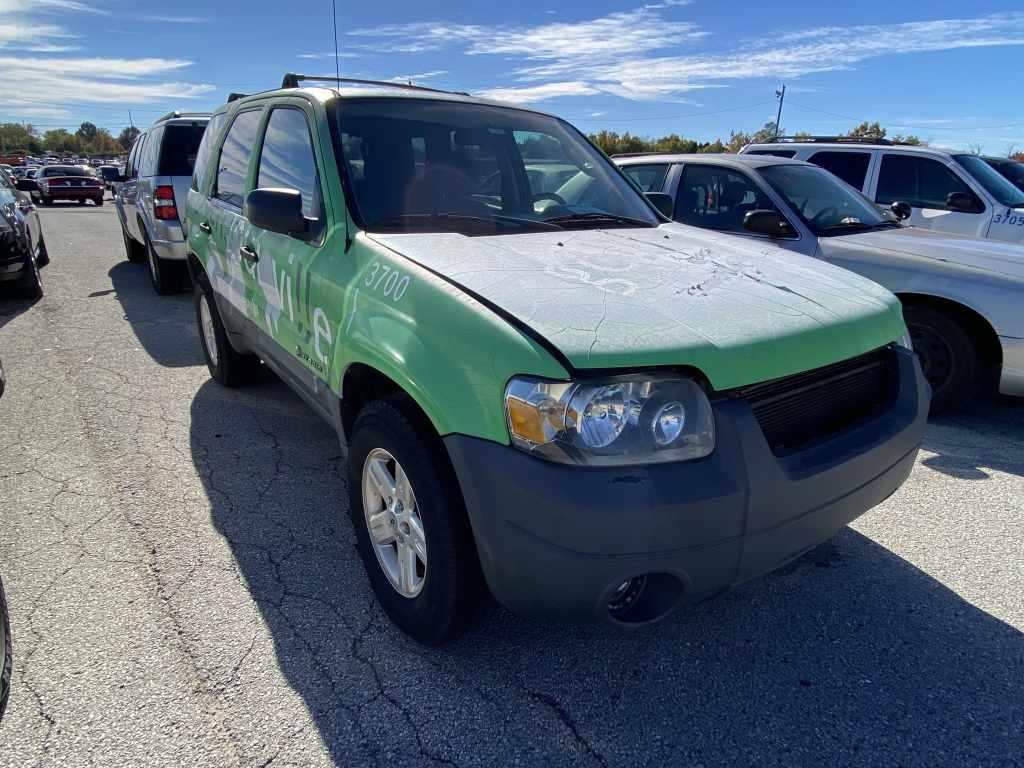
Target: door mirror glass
point(770, 223)
point(663, 202)
point(277, 210)
point(901, 210)
point(961, 201)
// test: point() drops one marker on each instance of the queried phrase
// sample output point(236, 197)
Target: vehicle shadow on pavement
point(12, 304)
point(157, 321)
point(987, 435)
point(849, 655)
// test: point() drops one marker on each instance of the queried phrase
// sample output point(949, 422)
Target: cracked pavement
point(184, 589)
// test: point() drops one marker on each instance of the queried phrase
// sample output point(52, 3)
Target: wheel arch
point(990, 351)
point(363, 383)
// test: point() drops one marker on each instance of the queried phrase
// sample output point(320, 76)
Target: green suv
point(556, 396)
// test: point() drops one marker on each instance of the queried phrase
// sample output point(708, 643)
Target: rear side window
point(919, 181)
point(234, 158)
point(179, 149)
point(717, 198)
point(287, 159)
point(851, 167)
point(199, 170)
point(133, 159)
point(150, 150)
point(650, 178)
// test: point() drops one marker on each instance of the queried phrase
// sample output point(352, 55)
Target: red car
point(68, 182)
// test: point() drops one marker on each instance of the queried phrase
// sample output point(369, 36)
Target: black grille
point(795, 411)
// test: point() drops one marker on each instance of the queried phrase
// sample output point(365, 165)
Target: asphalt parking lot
point(184, 589)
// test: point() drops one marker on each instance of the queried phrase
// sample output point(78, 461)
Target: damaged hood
point(991, 256)
point(740, 312)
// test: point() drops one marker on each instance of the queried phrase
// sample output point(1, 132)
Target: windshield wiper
point(596, 217)
point(462, 218)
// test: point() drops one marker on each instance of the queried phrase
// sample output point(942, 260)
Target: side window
point(919, 181)
point(716, 198)
point(133, 158)
point(650, 178)
point(851, 167)
point(147, 161)
point(287, 159)
point(233, 166)
point(200, 171)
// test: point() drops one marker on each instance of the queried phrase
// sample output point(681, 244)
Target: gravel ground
point(184, 589)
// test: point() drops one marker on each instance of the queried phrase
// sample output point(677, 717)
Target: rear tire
point(947, 356)
point(228, 366)
point(134, 252)
point(448, 598)
point(167, 277)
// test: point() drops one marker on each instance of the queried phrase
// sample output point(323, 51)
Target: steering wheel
point(824, 213)
point(548, 196)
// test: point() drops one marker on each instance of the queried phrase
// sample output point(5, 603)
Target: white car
point(947, 191)
point(961, 296)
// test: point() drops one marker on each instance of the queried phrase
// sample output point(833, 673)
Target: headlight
point(621, 420)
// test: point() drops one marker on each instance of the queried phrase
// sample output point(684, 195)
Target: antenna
point(334, 17)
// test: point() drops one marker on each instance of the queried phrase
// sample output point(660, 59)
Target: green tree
point(86, 132)
point(127, 137)
point(18, 137)
point(60, 140)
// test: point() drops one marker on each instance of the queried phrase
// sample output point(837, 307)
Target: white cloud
point(52, 86)
point(636, 54)
point(535, 93)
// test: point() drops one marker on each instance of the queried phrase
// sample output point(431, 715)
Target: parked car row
point(22, 247)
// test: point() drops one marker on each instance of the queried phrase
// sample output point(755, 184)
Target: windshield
point(827, 205)
point(66, 170)
point(1010, 169)
point(995, 184)
point(441, 166)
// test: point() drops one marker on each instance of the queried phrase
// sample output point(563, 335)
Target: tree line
point(613, 143)
point(87, 140)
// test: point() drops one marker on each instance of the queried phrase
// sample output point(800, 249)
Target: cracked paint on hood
point(738, 311)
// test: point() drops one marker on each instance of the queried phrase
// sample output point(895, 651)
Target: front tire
point(228, 366)
point(32, 281)
point(403, 491)
point(42, 255)
point(947, 356)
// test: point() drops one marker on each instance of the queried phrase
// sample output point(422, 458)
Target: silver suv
point(154, 183)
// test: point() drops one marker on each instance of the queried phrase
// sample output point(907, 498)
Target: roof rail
point(292, 80)
point(178, 113)
point(170, 116)
point(638, 154)
point(878, 140)
point(234, 96)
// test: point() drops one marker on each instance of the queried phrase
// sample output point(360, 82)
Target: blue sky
point(948, 72)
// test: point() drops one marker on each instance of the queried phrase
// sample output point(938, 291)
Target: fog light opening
point(644, 599)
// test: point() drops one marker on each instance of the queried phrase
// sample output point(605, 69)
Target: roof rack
point(175, 114)
point(878, 140)
point(292, 80)
point(638, 154)
point(235, 96)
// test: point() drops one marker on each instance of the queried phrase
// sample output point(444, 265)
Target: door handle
point(204, 227)
point(249, 254)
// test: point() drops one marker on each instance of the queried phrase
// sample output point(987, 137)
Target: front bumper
point(1011, 378)
point(554, 541)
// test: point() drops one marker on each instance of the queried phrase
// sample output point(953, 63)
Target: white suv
point(946, 190)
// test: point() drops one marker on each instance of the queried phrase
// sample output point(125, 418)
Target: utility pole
point(781, 96)
point(130, 121)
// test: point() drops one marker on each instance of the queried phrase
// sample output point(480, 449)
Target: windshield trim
point(334, 107)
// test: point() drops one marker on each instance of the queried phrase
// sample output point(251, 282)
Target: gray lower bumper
point(554, 541)
point(172, 250)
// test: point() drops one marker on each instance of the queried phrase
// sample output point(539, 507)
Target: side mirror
point(662, 201)
point(901, 210)
point(765, 222)
point(961, 201)
point(26, 185)
point(277, 210)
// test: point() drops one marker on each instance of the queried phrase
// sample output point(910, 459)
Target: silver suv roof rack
point(292, 80)
point(878, 140)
